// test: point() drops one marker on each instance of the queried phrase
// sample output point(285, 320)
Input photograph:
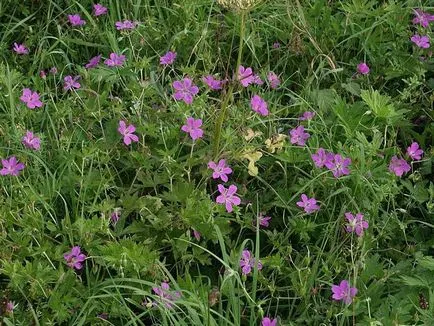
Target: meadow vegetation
point(216, 162)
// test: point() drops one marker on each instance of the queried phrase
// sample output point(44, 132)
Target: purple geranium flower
point(10, 306)
point(31, 141)
point(115, 60)
point(247, 262)
point(422, 18)
point(185, 90)
point(262, 220)
point(266, 321)
point(192, 126)
point(273, 79)
point(309, 204)
point(343, 292)
point(298, 136)
point(356, 223)
point(259, 105)
point(99, 9)
point(308, 115)
point(165, 295)
point(75, 258)
point(93, 62)
point(75, 20)
point(127, 132)
point(257, 80)
point(31, 98)
point(213, 83)
point(115, 216)
point(221, 170)
point(321, 157)
point(363, 68)
point(228, 197)
point(338, 165)
point(168, 58)
point(71, 82)
point(245, 76)
point(399, 166)
point(125, 25)
point(196, 235)
point(421, 41)
point(11, 166)
point(414, 151)
point(20, 49)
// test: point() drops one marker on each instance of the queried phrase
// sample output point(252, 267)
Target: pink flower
point(309, 204)
point(273, 79)
point(228, 197)
point(75, 20)
point(247, 262)
point(127, 132)
point(31, 98)
point(11, 166)
point(321, 157)
point(276, 45)
point(99, 10)
point(307, 116)
point(71, 82)
point(259, 105)
point(125, 25)
point(422, 18)
point(115, 216)
point(31, 141)
point(298, 136)
point(263, 221)
point(20, 49)
point(343, 292)
point(168, 58)
point(356, 223)
point(185, 90)
point(10, 306)
point(245, 76)
point(196, 235)
point(338, 165)
point(421, 41)
point(221, 170)
point(165, 295)
point(257, 80)
point(53, 70)
point(192, 126)
point(414, 151)
point(398, 166)
point(42, 74)
point(266, 321)
point(213, 83)
point(75, 258)
point(115, 60)
point(93, 62)
point(363, 68)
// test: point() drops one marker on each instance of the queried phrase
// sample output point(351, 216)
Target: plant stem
point(225, 103)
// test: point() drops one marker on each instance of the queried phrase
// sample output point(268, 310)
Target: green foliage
point(136, 211)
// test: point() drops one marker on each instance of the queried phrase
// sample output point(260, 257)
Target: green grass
point(83, 172)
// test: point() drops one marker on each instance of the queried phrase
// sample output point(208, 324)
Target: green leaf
point(426, 262)
point(382, 108)
point(414, 281)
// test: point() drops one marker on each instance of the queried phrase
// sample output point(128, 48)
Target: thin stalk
point(255, 271)
point(225, 103)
